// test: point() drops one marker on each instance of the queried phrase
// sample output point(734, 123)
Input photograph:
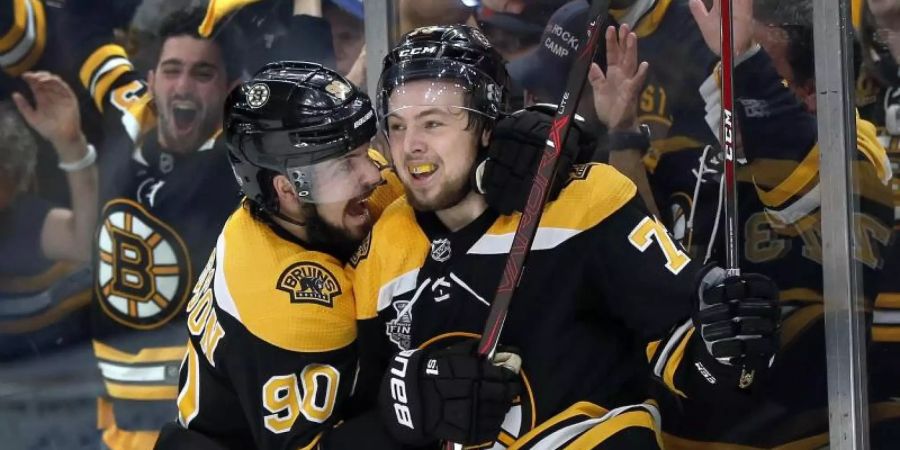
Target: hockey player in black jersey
point(605, 291)
point(781, 222)
point(271, 360)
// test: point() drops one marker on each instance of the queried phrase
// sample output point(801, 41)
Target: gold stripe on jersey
point(118, 439)
point(884, 333)
point(674, 363)
point(50, 316)
point(890, 300)
point(146, 355)
point(887, 303)
point(101, 69)
point(136, 392)
point(792, 179)
point(600, 433)
point(292, 298)
point(585, 415)
point(778, 181)
point(582, 204)
point(23, 45)
point(581, 409)
point(800, 294)
point(218, 10)
point(649, 22)
point(867, 142)
point(21, 16)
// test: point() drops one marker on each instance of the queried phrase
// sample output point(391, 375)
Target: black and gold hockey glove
point(739, 319)
point(448, 394)
point(517, 143)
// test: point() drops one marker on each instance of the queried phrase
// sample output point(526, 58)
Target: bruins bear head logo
point(308, 282)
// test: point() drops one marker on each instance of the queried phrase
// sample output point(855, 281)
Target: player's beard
point(337, 241)
point(453, 192)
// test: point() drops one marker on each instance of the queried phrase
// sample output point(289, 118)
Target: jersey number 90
point(284, 399)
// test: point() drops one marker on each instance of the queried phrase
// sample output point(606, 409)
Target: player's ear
point(284, 189)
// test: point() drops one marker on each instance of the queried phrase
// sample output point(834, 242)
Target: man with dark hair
point(271, 361)
point(780, 219)
point(605, 291)
point(167, 184)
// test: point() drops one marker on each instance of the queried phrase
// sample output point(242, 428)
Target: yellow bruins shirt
point(603, 279)
point(272, 326)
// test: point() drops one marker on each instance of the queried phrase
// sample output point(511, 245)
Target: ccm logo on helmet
point(362, 120)
point(418, 51)
point(398, 388)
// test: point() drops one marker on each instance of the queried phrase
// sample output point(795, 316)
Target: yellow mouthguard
point(422, 168)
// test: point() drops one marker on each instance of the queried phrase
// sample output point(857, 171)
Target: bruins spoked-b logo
point(143, 271)
point(258, 95)
point(308, 282)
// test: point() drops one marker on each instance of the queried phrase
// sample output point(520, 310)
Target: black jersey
point(271, 358)
point(603, 281)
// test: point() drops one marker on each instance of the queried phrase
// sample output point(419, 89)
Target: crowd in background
point(74, 112)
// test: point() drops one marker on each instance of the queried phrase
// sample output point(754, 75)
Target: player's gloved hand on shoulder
point(448, 394)
point(514, 154)
point(739, 319)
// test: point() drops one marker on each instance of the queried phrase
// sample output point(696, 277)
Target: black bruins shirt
point(780, 224)
point(602, 281)
point(159, 213)
point(272, 328)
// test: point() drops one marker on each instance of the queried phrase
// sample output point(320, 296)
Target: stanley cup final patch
point(308, 282)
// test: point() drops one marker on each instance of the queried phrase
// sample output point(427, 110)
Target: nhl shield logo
point(308, 282)
point(258, 95)
point(440, 250)
point(398, 330)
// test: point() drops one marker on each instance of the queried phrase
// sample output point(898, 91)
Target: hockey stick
point(732, 254)
point(537, 197)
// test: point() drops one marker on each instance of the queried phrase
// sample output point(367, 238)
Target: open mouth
point(421, 171)
point(184, 116)
point(359, 206)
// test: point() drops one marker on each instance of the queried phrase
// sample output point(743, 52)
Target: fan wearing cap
point(603, 278)
point(271, 359)
point(670, 103)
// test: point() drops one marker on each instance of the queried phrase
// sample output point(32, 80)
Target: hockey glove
point(739, 319)
point(448, 394)
point(517, 143)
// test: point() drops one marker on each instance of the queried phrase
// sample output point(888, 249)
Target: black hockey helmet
point(297, 119)
point(456, 54)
